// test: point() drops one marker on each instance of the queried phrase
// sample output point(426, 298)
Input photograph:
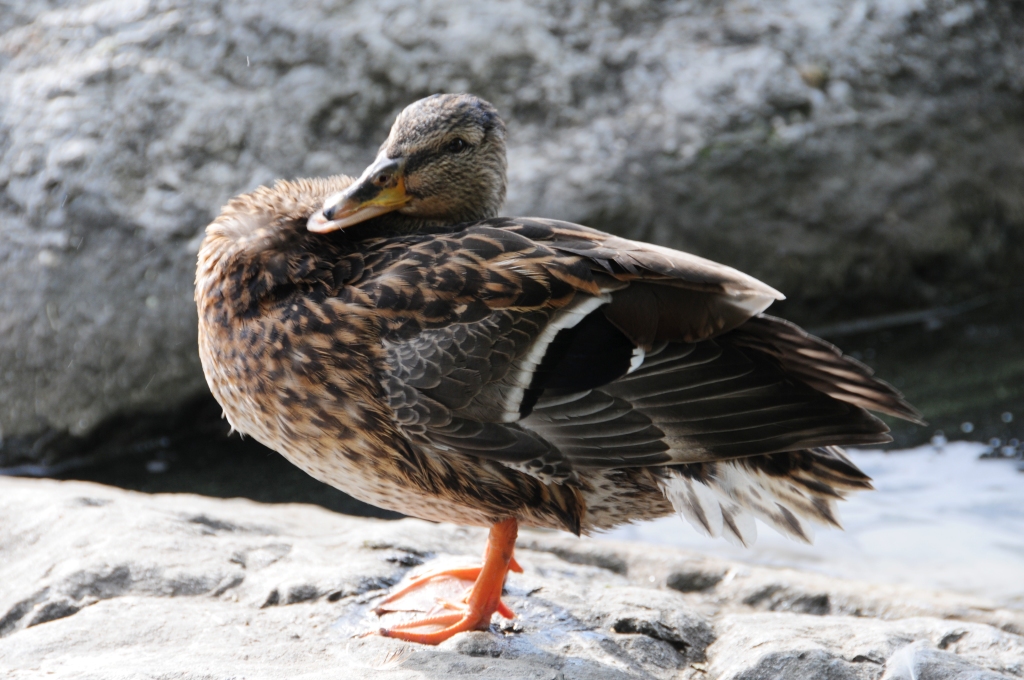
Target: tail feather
point(788, 491)
point(708, 510)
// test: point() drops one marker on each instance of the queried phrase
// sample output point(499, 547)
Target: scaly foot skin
point(462, 574)
point(483, 600)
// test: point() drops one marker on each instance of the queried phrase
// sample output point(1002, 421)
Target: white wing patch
point(637, 360)
point(522, 371)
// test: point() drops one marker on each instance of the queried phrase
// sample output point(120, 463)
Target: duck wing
point(554, 348)
point(467, 319)
point(671, 295)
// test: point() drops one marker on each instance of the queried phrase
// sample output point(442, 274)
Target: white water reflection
point(939, 518)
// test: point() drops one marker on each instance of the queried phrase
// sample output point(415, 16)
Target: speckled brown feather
point(291, 345)
point(295, 339)
point(476, 371)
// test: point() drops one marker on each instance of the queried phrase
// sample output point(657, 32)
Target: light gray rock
point(859, 156)
point(98, 582)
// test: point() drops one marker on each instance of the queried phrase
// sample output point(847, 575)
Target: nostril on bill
point(329, 212)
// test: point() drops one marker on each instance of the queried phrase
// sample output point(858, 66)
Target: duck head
point(442, 163)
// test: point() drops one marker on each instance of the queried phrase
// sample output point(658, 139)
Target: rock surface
point(860, 157)
point(98, 582)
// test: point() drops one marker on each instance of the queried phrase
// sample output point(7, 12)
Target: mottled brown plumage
point(395, 339)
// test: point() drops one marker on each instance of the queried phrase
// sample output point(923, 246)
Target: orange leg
point(484, 597)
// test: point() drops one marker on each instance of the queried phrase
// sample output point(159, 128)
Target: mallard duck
point(395, 338)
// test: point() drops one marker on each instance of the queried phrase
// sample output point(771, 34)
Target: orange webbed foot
point(479, 604)
point(424, 580)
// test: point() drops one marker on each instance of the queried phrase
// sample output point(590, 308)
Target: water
point(939, 518)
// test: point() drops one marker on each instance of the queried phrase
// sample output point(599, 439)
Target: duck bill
point(380, 190)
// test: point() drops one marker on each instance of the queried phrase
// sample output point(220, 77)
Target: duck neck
point(396, 224)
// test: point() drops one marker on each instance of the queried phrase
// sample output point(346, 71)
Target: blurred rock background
point(866, 158)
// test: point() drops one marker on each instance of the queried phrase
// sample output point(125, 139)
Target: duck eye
point(457, 145)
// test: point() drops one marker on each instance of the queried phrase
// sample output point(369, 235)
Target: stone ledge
point(100, 581)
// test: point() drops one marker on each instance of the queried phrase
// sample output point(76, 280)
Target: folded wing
point(554, 348)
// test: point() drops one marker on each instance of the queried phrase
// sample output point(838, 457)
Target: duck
point(395, 337)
